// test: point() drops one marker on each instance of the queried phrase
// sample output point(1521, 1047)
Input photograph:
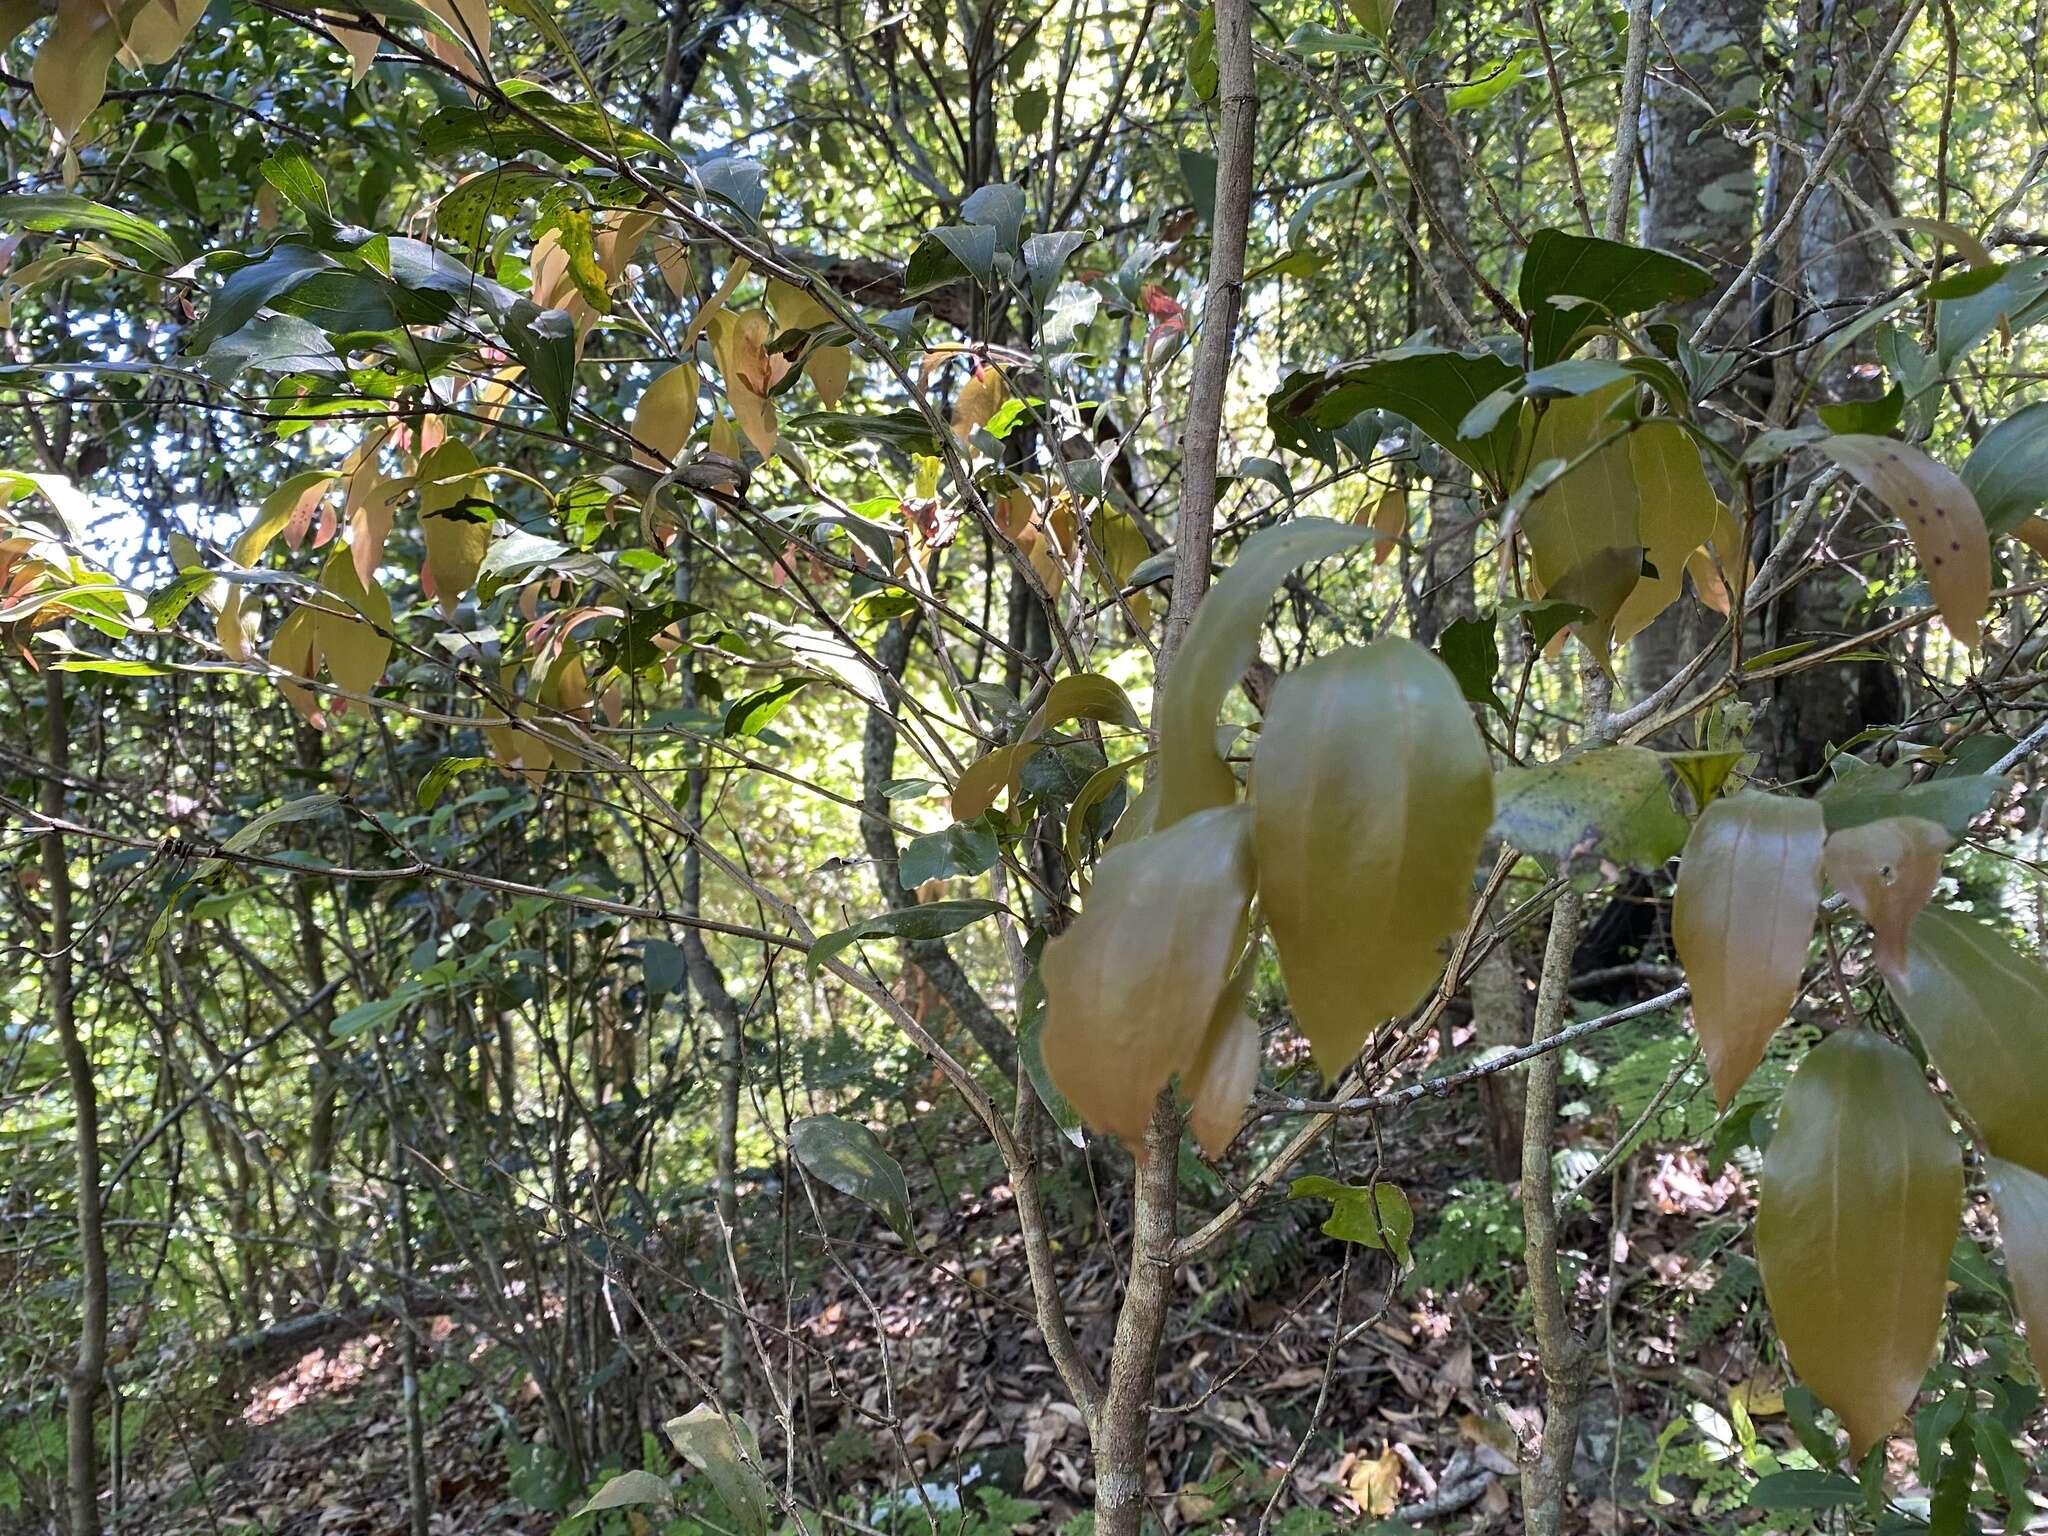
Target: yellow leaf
point(1224, 1085)
point(1375, 1484)
point(456, 526)
point(1721, 557)
point(672, 260)
point(356, 649)
point(739, 347)
point(979, 399)
point(471, 22)
point(1595, 506)
point(1388, 519)
point(1677, 514)
point(667, 412)
point(1757, 1398)
point(156, 28)
point(295, 648)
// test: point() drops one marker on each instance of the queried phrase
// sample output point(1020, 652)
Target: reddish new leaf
point(1748, 889)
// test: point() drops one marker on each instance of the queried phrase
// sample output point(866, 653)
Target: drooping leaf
point(1082, 696)
point(1677, 513)
point(1216, 1108)
point(1371, 795)
point(722, 1446)
point(957, 852)
point(629, 1488)
point(931, 920)
point(1886, 870)
point(1471, 649)
point(1379, 1217)
point(1612, 280)
point(295, 648)
point(987, 779)
point(1748, 892)
point(667, 412)
point(1861, 1194)
point(751, 714)
point(1133, 986)
point(851, 1158)
point(2021, 1197)
point(2007, 472)
point(356, 650)
point(1219, 646)
point(1980, 1007)
point(1593, 506)
point(454, 523)
point(1941, 517)
point(1605, 803)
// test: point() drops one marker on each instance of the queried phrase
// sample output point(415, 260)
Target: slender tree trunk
point(1701, 202)
point(417, 1508)
point(88, 1372)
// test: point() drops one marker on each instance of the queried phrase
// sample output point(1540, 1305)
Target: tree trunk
point(88, 1372)
point(1701, 202)
point(1843, 267)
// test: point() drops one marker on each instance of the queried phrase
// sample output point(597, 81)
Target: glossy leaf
point(1133, 986)
point(1594, 506)
point(1953, 800)
point(988, 779)
point(1941, 517)
point(667, 412)
point(2007, 472)
point(1612, 280)
point(964, 849)
point(1371, 795)
point(1886, 870)
point(1980, 1008)
point(1431, 386)
point(931, 920)
point(1606, 803)
point(2021, 1197)
point(851, 1158)
point(1748, 891)
point(1219, 646)
point(61, 212)
point(1861, 1194)
point(295, 648)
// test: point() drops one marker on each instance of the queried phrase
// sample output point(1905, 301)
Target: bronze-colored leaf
point(1748, 889)
point(1980, 1008)
point(295, 648)
point(70, 73)
point(1940, 515)
point(988, 779)
point(1133, 986)
point(356, 649)
point(1220, 644)
point(2021, 1197)
point(1226, 1082)
point(1371, 794)
point(157, 28)
point(1861, 1193)
point(454, 523)
point(1886, 870)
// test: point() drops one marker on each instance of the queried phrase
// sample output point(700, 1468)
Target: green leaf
point(932, 920)
point(1876, 417)
point(251, 286)
point(1030, 1048)
point(1605, 804)
point(851, 1158)
point(1030, 107)
point(998, 206)
point(1133, 986)
point(723, 1448)
point(1219, 646)
point(1742, 917)
point(1481, 92)
point(954, 853)
point(1874, 794)
point(62, 212)
point(2007, 472)
point(544, 340)
point(2021, 1196)
point(292, 173)
point(663, 969)
point(1432, 387)
point(1353, 1216)
point(1312, 40)
point(1606, 279)
point(635, 1487)
point(2018, 299)
point(751, 714)
point(1371, 795)
point(1861, 1195)
point(1805, 1488)
point(1471, 649)
point(1083, 696)
point(1980, 1007)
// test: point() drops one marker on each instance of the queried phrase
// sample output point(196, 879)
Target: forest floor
point(934, 1365)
